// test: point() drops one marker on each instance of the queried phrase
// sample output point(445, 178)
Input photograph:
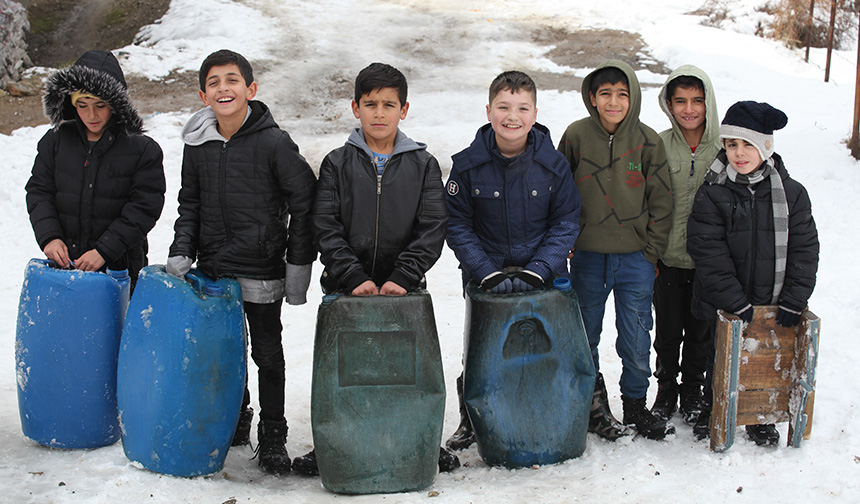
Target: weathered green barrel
point(528, 376)
point(378, 393)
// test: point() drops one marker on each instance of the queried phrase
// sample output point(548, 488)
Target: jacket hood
point(203, 125)
point(712, 115)
point(402, 143)
point(632, 118)
point(98, 73)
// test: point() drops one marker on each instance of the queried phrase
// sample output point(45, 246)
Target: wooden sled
point(763, 374)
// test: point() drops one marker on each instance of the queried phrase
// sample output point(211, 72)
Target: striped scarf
point(721, 170)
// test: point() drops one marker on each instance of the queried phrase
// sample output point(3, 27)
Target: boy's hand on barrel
point(366, 288)
point(178, 265)
point(787, 315)
point(90, 261)
point(497, 283)
point(526, 280)
point(392, 289)
point(57, 251)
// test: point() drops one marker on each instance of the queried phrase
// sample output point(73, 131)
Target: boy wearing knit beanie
point(751, 235)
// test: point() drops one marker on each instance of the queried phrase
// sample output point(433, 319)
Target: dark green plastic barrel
point(528, 376)
point(378, 393)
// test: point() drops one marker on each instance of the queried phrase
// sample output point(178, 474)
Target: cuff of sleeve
point(298, 279)
point(402, 280)
point(539, 269)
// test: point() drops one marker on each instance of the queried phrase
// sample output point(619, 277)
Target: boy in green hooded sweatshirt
point(692, 143)
point(619, 165)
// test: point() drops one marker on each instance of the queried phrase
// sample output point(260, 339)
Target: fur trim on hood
point(98, 73)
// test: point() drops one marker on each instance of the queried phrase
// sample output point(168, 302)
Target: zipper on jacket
point(378, 204)
point(692, 163)
point(222, 200)
point(753, 226)
point(611, 138)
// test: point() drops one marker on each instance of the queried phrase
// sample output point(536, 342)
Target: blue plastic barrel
point(67, 339)
point(378, 393)
point(528, 376)
point(181, 372)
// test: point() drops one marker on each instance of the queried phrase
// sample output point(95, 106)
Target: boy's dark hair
point(685, 82)
point(607, 75)
point(377, 76)
point(514, 81)
point(225, 57)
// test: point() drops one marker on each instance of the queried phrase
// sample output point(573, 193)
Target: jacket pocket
point(539, 197)
point(489, 201)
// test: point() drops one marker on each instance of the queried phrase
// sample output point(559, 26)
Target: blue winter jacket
point(521, 211)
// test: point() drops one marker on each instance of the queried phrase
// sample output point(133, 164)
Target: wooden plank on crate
point(727, 343)
point(804, 369)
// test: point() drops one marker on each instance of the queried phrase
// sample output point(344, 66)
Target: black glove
point(525, 280)
point(787, 316)
point(497, 283)
point(745, 313)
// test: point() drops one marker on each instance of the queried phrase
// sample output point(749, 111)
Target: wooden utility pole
point(830, 39)
point(855, 129)
point(809, 28)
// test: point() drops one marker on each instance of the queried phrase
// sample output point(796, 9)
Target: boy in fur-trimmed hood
point(97, 185)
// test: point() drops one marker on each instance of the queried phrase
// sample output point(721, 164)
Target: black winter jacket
point(393, 231)
point(107, 196)
point(730, 236)
point(235, 198)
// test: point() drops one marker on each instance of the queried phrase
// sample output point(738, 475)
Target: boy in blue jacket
point(512, 203)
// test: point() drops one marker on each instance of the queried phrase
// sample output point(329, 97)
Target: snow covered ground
point(450, 50)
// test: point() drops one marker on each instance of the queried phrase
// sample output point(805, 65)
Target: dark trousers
point(681, 341)
point(264, 327)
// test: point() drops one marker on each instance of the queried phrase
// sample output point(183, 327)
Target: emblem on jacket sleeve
point(453, 187)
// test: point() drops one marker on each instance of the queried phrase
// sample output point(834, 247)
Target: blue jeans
point(630, 277)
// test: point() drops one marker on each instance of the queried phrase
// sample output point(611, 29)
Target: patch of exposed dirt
point(64, 29)
point(588, 49)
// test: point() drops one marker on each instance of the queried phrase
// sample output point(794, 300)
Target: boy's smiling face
point(688, 109)
point(742, 155)
point(379, 113)
point(512, 116)
point(226, 91)
point(612, 102)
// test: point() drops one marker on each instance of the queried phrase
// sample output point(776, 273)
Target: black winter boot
point(646, 424)
point(763, 434)
point(692, 403)
point(242, 434)
point(464, 436)
point(447, 461)
point(702, 428)
point(306, 464)
point(601, 421)
point(666, 402)
point(271, 438)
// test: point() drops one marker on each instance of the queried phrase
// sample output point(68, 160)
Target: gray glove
point(178, 265)
point(298, 280)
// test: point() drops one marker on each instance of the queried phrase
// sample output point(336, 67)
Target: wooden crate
point(763, 373)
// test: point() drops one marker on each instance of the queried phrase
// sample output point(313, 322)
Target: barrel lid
point(562, 284)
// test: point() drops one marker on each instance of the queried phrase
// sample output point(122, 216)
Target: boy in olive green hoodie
point(619, 165)
point(692, 143)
